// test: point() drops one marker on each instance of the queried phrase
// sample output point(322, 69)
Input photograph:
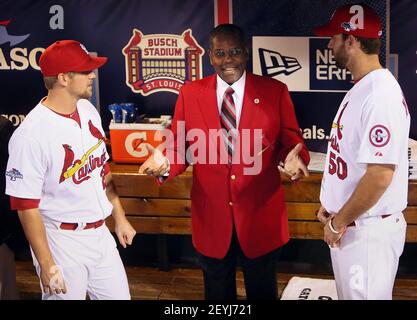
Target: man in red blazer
point(238, 208)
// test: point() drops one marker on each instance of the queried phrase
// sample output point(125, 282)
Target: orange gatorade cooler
point(128, 139)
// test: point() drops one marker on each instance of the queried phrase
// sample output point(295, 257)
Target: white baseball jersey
point(56, 161)
point(371, 126)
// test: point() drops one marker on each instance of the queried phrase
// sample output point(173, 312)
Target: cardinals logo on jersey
point(379, 136)
point(337, 165)
point(334, 139)
point(68, 161)
point(337, 125)
point(94, 131)
point(80, 169)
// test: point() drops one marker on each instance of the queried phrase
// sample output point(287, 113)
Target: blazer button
point(231, 203)
point(233, 177)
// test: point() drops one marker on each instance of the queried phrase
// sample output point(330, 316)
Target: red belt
point(353, 224)
point(74, 226)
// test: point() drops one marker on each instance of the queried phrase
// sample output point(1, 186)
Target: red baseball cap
point(358, 20)
point(68, 56)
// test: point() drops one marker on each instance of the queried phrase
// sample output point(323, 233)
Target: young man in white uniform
point(365, 182)
point(61, 185)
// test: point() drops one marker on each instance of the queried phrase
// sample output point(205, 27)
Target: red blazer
point(222, 195)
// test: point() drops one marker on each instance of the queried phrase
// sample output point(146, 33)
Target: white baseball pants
point(366, 263)
point(90, 263)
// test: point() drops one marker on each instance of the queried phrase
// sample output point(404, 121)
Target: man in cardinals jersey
point(364, 187)
point(60, 183)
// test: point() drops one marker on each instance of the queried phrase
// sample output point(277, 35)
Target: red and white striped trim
point(223, 12)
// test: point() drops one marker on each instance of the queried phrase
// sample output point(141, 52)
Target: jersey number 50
point(337, 165)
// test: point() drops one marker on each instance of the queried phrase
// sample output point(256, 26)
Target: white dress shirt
point(238, 87)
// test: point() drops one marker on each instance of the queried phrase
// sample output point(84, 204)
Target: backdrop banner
point(155, 47)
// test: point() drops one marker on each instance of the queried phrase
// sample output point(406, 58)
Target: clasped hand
point(294, 167)
point(156, 165)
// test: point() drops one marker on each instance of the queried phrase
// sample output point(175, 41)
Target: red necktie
point(228, 121)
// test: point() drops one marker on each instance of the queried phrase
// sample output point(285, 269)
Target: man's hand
point(124, 231)
point(323, 216)
point(294, 166)
point(51, 276)
point(156, 165)
point(52, 279)
point(330, 237)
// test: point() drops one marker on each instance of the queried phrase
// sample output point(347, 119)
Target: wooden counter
point(166, 210)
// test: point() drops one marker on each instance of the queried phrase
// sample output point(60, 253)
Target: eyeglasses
point(234, 52)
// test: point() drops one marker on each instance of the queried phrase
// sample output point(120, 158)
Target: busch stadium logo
point(273, 63)
point(162, 62)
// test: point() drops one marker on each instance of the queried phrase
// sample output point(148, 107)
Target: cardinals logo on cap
point(357, 20)
point(348, 26)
